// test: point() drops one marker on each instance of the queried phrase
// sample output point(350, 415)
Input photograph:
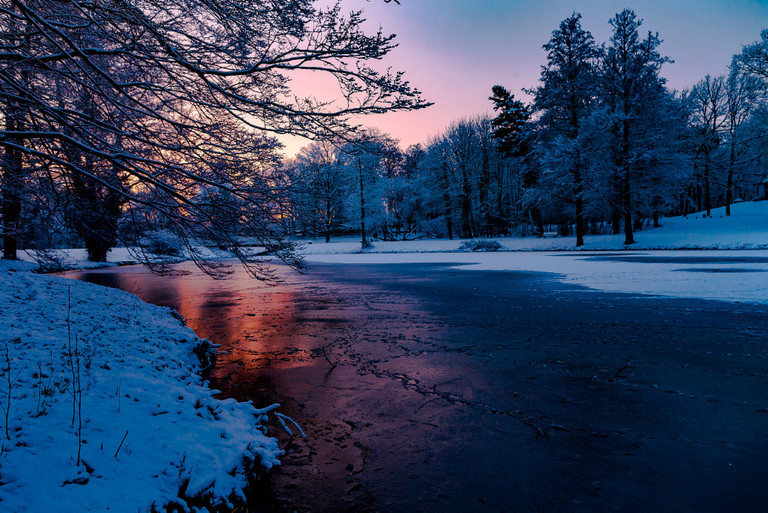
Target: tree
point(710, 111)
point(630, 76)
point(512, 135)
point(744, 95)
point(206, 79)
point(320, 186)
point(563, 100)
point(510, 124)
point(363, 159)
point(753, 59)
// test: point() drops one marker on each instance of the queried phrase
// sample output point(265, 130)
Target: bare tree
point(321, 187)
point(710, 100)
point(174, 85)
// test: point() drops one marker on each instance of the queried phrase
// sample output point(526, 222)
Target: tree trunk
point(616, 221)
point(11, 189)
point(466, 206)
point(626, 189)
point(447, 203)
point(485, 207)
point(579, 222)
point(363, 240)
point(13, 161)
point(13, 168)
point(328, 220)
point(538, 221)
point(707, 190)
point(729, 183)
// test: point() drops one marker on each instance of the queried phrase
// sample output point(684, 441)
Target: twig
point(280, 418)
point(77, 387)
point(9, 381)
point(121, 442)
point(322, 350)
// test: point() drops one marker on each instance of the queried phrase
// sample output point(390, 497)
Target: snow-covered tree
point(511, 133)
point(320, 186)
point(630, 79)
point(370, 162)
point(753, 59)
point(710, 117)
point(743, 97)
point(564, 98)
point(168, 81)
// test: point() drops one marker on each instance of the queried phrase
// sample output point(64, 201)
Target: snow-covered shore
point(150, 431)
point(152, 434)
point(745, 228)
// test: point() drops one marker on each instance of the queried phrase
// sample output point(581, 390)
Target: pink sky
point(454, 51)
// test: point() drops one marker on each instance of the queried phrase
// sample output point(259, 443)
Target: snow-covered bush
point(163, 242)
point(486, 245)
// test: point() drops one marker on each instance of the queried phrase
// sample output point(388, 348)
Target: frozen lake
point(422, 387)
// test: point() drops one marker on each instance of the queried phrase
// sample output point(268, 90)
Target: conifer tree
point(511, 122)
point(564, 98)
point(630, 78)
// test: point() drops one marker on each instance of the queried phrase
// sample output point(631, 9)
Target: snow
point(726, 275)
point(745, 228)
point(723, 281)
point(150, 424)
point(151, 428)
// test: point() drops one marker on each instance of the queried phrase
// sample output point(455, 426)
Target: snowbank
point(82, 362)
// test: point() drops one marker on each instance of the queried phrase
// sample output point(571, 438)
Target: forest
point(157, 127)
point(603, 147)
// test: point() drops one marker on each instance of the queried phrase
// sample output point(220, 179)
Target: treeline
point(603, 147)
point(153, 124)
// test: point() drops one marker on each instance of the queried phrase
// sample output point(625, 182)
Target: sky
point(454, 51)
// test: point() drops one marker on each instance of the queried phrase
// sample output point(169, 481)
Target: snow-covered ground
point(745, 228)
point(96, 371)
point(150, 431)
point(706, 273)
point(700, 274)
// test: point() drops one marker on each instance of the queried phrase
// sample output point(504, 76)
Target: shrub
point(163, 243)
point(480, 245)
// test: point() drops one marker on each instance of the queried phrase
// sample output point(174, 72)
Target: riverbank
point(104, 408)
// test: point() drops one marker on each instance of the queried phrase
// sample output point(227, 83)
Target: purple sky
point(454, 51)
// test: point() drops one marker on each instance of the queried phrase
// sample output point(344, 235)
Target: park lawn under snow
point(745, 228)
point(726, 275)
point(151, 429)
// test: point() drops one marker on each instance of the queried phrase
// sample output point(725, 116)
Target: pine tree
point(564, 99)
point(511, 131)
point(630, 76)
point(510, 124)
